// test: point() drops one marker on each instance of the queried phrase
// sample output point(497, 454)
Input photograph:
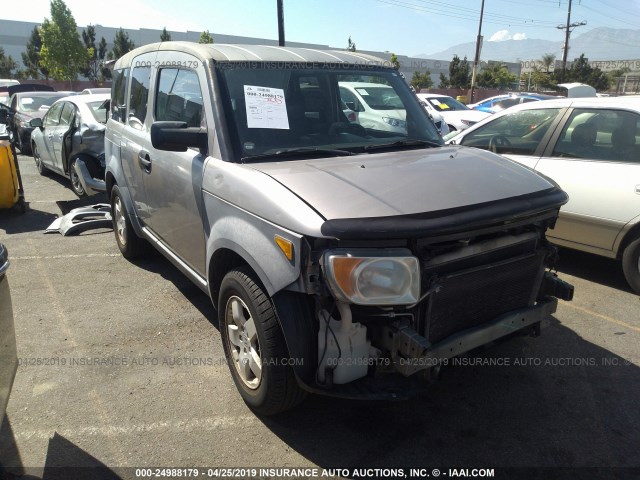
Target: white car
point(456, 115)
point(378, 106)
point(591, 148)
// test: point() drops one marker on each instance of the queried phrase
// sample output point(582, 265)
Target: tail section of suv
point(336, 250)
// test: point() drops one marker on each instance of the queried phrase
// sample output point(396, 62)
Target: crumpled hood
point(404, 182)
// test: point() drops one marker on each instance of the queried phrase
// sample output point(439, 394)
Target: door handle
point(638, 189)
point(50, 136)
point(144, 160)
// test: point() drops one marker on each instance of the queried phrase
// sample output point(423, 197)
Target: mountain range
point(598, 44)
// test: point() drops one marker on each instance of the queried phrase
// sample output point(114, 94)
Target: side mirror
point(177, 137)
point(4, 115)
point(35, 123)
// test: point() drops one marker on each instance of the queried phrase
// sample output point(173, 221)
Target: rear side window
point(118, 95)
point(179, 97)
point(139, 96)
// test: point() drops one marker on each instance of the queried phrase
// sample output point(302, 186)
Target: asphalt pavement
point(122, 366)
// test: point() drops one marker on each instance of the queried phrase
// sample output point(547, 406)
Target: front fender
point(253, 239)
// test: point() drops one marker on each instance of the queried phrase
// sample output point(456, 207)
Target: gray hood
point(404, 182)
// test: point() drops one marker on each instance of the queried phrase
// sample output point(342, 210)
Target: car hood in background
point(406, 182)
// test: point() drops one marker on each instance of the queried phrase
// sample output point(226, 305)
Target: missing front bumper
point(411, 352)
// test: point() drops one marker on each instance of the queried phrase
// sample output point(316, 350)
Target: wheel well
point(110, 182)
point(631, 235)
point(222, 262)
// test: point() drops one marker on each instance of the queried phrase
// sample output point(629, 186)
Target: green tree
point(351, 46)
point(205, 37)
point(394, 61)
point(31, 57)
point(615, 74)
point(102, 55)
point(122, 44)
point(444, 81)
point(580, 71)
point(165, 36)
point(7, 64)
point(539, 80)
point(62, 52)
point(496, 75)
point(421, 80)
point(459, 73)
point(92, 71)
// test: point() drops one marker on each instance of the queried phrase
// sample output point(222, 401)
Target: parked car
point(335, 253)
point(378, 106)
point(69, 140)
point(8, 352)
point(436, 118)
point(591, 148)
point(500, 102)
point(456, 114)
point(90, 91)
point(26, 106)
point(6, 82)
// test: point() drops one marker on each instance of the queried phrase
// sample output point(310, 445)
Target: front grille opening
point(472, 297)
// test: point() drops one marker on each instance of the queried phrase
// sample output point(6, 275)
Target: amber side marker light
point(285, 245)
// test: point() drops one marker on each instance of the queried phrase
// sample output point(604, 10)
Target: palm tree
point(548, 59)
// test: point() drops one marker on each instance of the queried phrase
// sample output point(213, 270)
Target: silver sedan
point(69, 141)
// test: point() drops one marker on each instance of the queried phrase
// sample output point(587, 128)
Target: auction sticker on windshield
point(266, 107)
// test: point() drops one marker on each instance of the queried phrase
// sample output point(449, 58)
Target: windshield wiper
point(295, 152)
point(402, 143)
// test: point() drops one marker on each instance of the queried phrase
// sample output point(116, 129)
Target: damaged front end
point(407, 305)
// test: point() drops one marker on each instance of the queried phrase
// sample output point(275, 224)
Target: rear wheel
point(254, 345)
point(631, 264)
point(130, 245)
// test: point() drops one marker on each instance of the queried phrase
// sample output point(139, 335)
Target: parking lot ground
point(122, 366)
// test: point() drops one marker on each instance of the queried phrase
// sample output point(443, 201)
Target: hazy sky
point(406, 27)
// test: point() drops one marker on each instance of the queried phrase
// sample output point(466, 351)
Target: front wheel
point(42, 170)
point(130, 245)
point(631, 265)
point(76, 184)
point(254, 345)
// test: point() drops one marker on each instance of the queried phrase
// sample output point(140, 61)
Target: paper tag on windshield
point(266, 107)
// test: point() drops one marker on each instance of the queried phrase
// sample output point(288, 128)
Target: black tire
point(631, 265)
point(131, 246)
point(42, 170)
point(74, 178)
point(275, 389)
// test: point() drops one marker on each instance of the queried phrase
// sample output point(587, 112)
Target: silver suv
point(342, 258)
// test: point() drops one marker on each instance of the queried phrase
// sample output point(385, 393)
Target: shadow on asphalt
point(552, 415)
point(594, 268)
point(11, 221)
point(154, 262)
point(64, 461)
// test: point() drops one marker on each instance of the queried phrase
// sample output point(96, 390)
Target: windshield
point(446, 104)
point(274, 108)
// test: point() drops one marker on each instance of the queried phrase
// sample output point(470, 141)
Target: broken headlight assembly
point(372, 277)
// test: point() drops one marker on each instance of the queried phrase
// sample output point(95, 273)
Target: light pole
point(477, 57)
point(280, 24)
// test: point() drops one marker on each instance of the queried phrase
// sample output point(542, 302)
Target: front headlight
point(366, 277)
point(394, 122)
